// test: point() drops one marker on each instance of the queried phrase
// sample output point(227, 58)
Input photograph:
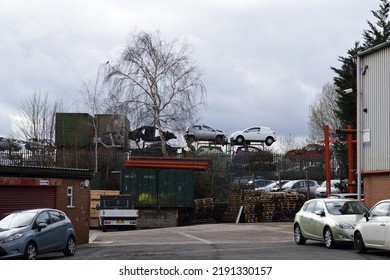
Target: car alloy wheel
point(70, 249)
point(269, 141)
point(358, 243)
point(30, 253)
point(191, 139)
point(328, 238)
point(298, 237)
point(240, 140)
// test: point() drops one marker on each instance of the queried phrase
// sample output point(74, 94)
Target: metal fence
point(215, 182)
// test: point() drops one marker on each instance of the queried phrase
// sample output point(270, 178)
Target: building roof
point(48, 172)
point(169, 162)
point(374, 49)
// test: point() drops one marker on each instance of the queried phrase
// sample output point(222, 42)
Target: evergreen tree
point(379, 32)
point(346, 79)
point(347, 75)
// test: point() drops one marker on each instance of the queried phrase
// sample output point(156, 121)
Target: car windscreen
point(346, 207)
point(17, 220)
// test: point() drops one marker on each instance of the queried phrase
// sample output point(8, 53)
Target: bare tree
point(290, 142)
point(323, 112)
point(37, 117)
point(94, 95)
point(159, 81)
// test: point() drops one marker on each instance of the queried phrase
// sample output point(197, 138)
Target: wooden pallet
point(264, 207)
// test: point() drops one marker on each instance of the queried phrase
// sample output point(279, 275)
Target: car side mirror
point(41, 226)
point(320, 213)
point(97, 207)
point(366, 215)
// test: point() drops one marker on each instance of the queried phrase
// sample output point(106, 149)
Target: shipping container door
point(176, 187)
point(142, 184)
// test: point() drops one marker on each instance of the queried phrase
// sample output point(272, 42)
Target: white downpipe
point(359, 130)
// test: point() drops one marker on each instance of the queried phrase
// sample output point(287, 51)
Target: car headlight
point(344, 225)
point(13, 237)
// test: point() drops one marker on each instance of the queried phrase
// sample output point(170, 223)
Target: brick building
point(38, 187)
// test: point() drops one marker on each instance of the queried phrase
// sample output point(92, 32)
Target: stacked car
point(201, 132)
point(254, 134)
point(260, 134)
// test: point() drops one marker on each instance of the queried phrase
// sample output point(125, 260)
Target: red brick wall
point(376, 188)
point(79, 213)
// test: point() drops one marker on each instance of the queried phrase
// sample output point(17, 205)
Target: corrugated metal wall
point(375, 88)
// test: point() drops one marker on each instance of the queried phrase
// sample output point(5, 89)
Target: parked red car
point(315, 151)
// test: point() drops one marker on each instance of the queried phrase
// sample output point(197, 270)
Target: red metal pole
point(327, 159)
point(350, 161)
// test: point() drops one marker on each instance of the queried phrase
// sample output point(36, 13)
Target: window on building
point(69, 201)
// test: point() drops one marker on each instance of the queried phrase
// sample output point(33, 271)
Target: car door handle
point(382, 225)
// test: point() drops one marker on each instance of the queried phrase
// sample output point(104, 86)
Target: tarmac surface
point(198, 234)
point(225, 241)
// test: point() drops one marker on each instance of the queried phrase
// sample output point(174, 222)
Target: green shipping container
point(159, 187)
point(74, 130)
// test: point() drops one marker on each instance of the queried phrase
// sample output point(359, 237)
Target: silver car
point(329, 220)
point(27, 233)
point(301, 185)
point(201, 132)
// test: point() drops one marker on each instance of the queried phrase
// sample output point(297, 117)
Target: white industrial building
point(373, 123)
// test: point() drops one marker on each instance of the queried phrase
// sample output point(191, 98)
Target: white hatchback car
point(321, 191)
point(373, 231)
point(253, 134)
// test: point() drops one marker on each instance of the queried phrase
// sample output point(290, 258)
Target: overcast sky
point(263, 61)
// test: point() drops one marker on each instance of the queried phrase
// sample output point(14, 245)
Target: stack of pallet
point(252, 206)
point(259, 206)
point(95, 200)
point(234, 200)
point(291, 204)
point(271, 206)
point(204, 208)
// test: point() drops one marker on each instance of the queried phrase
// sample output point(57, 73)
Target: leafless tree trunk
point(159, 81)
point(37, 117)
point(322, 112)
point(94, 95)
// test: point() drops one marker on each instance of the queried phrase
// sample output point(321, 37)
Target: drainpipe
point(359, 131)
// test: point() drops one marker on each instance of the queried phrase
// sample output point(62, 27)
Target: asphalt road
point(261, 241)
